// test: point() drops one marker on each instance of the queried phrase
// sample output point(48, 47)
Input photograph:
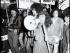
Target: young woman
point(54, 32)
point(39, 43)
point(24, 37)
point(23, 34)
point(22, 29)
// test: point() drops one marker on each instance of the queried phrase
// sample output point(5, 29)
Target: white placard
point(4, 37)
point(64, 5)
point(48, 2)
point(37, 1)
point(24, 4)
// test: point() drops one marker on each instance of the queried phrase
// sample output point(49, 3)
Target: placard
point(64, 5)
point(24, 4)
point(48, 2)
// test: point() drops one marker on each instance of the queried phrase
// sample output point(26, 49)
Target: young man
point(14, 26)
point(39, 43)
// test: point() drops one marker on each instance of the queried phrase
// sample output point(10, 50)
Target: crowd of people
point(50, 36)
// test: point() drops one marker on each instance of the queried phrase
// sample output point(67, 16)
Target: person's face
point(44, 9)
point(55, 13)
point(67, 19)
point(13, 12)
point(25, 14)
point(47, 6)
point(34, 12)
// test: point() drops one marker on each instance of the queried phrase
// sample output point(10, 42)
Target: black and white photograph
point(34, 26)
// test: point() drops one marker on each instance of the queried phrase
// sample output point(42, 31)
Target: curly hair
point(38, 7)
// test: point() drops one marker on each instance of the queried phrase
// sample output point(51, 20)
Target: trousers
point(13, 41)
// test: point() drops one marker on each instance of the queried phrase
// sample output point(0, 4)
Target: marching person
point(67, 32)
point(23, 32)
point(54, 32)
point(4, 32)
point(23, 29)
point(14, 25)
point(65, 41)
point(24, 36)
point(39, 43)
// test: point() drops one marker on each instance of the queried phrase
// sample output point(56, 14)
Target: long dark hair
point(59, 12)
point(48, 21)
point(23, 12)
point(38, 7)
